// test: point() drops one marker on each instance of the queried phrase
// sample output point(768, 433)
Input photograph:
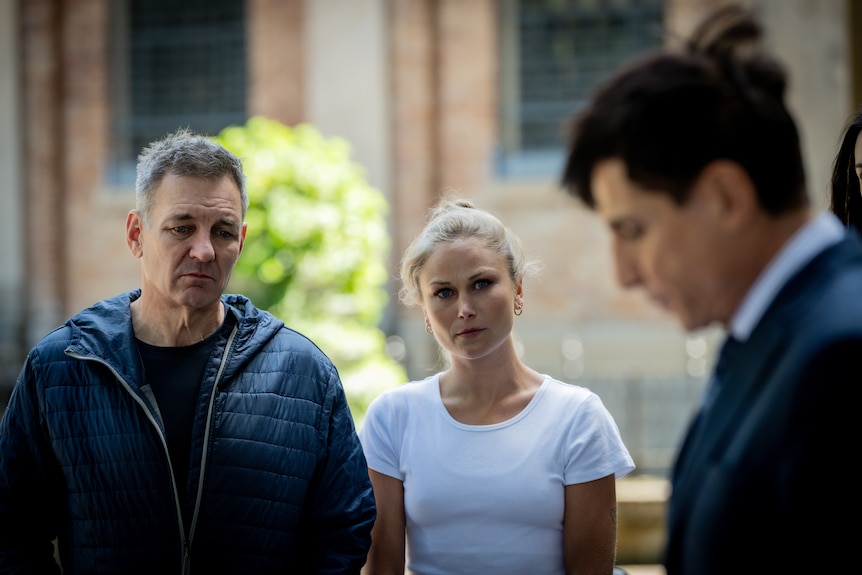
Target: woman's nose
point(465, 309)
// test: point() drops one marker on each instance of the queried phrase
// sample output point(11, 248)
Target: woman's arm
point(388, 536)
point(590, 527)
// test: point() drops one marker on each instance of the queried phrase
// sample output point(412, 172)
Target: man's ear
point(134, 225)
point(731, 192)
point(242, 233)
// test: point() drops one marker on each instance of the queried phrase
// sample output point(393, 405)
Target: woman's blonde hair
point(455, 218)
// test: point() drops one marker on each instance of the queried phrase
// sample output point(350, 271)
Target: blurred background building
point(434, 95)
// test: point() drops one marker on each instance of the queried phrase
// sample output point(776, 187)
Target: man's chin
point(690, 324)
point(199, 298)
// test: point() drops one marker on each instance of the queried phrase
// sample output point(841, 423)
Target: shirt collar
point(811, 239)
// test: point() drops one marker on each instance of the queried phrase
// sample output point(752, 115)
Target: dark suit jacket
point(765, 481)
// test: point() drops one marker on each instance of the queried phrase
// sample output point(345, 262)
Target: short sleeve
point(594, 447)
point(378, 436)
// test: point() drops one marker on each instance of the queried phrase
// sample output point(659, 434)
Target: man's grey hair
point(187, 154)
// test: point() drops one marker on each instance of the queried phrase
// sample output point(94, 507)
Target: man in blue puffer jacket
point(176, 429)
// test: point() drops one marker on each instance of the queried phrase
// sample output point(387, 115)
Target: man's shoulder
point(827, 288)
point(291, 348)
point(836, 286)
point(55, 341)
point(293, 338)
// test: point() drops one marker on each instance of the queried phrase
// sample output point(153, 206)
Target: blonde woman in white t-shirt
point(487, 466)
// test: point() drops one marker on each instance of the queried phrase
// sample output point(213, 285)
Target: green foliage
point(316, 249)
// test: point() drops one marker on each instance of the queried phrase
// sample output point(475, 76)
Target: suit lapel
point(712, 432)
point(713, 429)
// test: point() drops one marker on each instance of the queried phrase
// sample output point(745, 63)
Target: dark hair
point(845, 197)
point(668, 114)
point(184, 153)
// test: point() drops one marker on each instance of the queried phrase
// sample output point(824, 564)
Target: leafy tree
point(316, 249)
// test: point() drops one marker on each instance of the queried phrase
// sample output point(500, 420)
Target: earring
point(519, 309)
point(428, 329)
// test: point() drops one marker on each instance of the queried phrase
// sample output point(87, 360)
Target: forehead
point(617, 197)
point(857, 152)
point(465, 253)
point(196, 196)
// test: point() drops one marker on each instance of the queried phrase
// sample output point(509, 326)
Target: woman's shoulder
point(570, 391)
point(569, 400)
point(396, 406)
point(410, 392)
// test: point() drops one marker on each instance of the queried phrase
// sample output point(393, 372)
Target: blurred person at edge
point(693, 161)
point(177, 429)
point(845, 198)
point(489, 466)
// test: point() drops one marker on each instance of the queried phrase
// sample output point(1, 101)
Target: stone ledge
point(641, 506)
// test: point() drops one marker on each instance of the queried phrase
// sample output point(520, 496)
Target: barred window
point(552, 54)
point(176, 64)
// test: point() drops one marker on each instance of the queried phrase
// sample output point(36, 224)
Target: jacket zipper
point(146, 408)
point(210, 409)
point(185, 542)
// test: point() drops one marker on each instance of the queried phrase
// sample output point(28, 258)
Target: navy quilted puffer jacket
point(278, 482)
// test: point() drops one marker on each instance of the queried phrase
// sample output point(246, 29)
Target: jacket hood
point(104, 331)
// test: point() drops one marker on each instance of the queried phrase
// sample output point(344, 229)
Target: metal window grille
point(553, 54)
point(177, 64)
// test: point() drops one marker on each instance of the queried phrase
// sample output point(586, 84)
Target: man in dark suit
point(693, 160)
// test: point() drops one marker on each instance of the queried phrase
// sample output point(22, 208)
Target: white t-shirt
point(483, 499)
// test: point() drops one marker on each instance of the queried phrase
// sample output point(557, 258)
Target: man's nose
point(627, 272)
point(202, 248)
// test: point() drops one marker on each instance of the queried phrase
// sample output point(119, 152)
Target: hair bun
point(729, 33)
